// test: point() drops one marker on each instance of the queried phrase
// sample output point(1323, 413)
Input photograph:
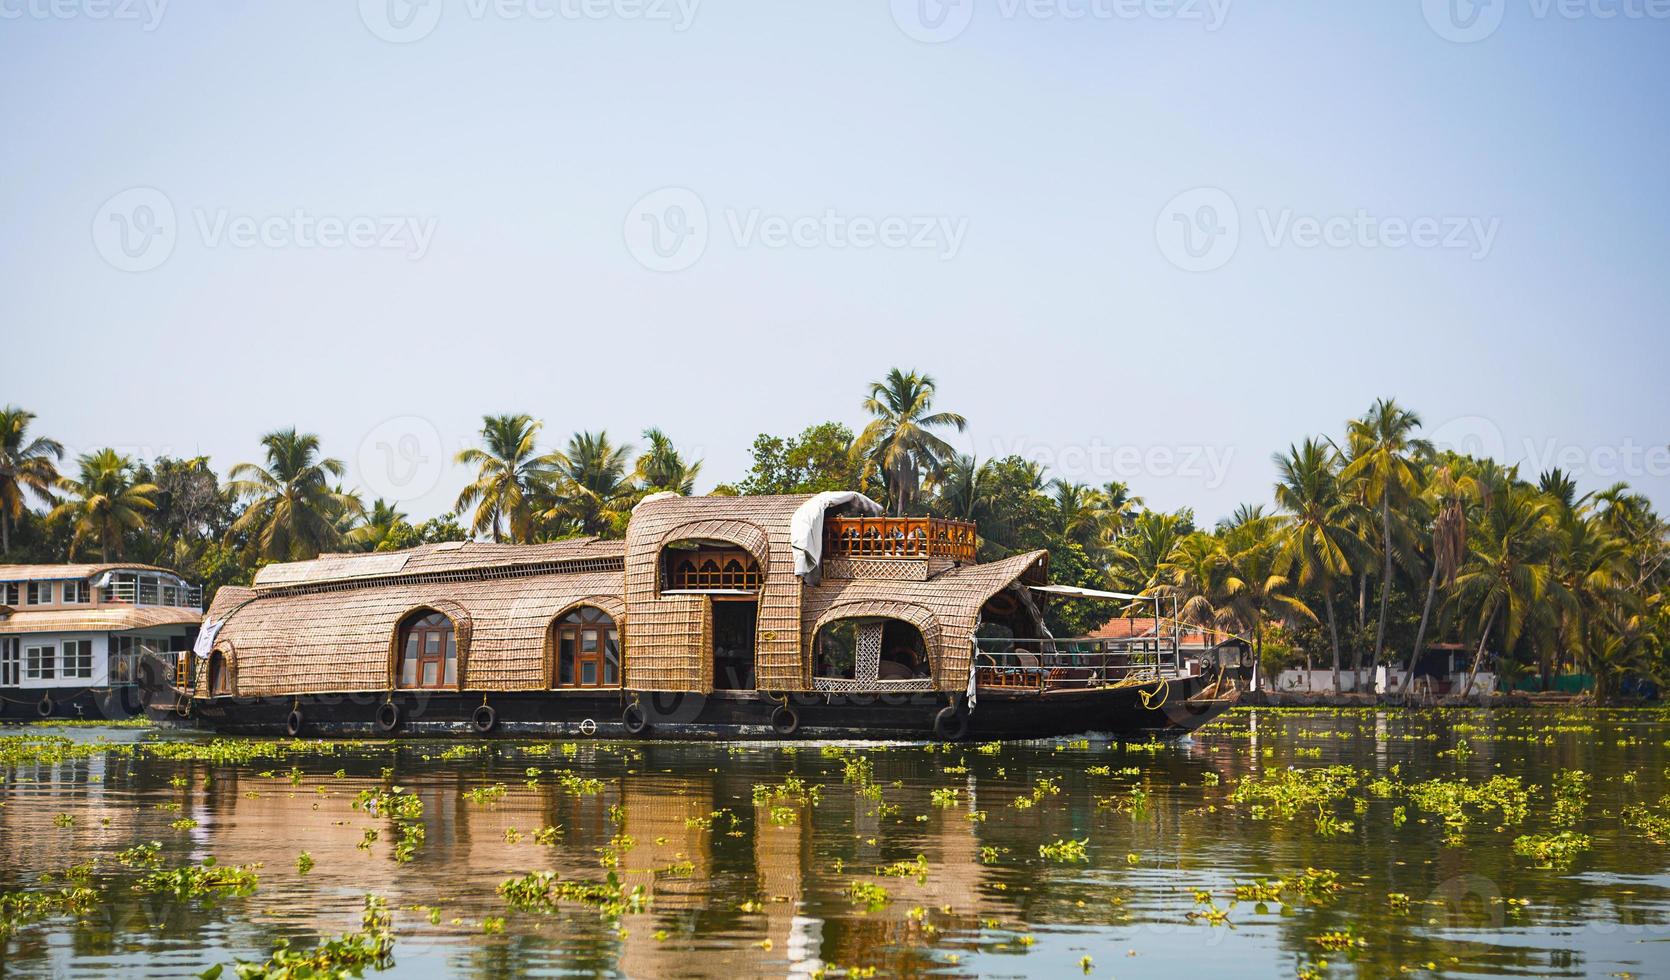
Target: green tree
point(662, 468)
point(1384, 462)
point(26, 465)
point(293, 511)
point(1317, 536)
point(817, 459)
point(1255, 592)
point(1447, 495)
point(384, 528)
point(1507, 572)
point(510, 474)
point(899, 442)
point(104, 503)
point(592, 487)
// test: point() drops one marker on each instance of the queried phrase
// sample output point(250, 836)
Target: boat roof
point(94, 619)
point(53, 573)
point(430, 559)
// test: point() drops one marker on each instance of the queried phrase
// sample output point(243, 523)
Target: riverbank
point(1352, 699)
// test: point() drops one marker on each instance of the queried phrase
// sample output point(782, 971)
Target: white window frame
point(11, 662)
point(83, 662)
point(32, 597)
point(81, 595)
point(11, 593)
point(40, 668)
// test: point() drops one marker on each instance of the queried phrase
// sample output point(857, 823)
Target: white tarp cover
point(1078, 593)
point(206, 637)
point(806, 527)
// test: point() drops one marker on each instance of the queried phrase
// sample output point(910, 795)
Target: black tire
point(293, 723)
point(388, 717)
point(950, 724)
point(484, 719)
point(44, 706)
point(634, 718)
point(785, 721)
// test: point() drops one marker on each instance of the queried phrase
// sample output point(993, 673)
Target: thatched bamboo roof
point(44, 573)
point(94, 619)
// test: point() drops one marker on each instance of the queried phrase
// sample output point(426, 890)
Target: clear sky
point(1136, 239)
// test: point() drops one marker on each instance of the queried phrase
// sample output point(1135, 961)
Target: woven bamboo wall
point(948, 605)
point(343, 640)
point(669, 635)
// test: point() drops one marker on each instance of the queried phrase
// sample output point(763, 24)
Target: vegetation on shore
point(1376, 546)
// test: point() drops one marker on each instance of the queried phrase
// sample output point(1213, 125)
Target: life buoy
point(950, 724)
point(785, 721)
point(634, 718)
point(44, 706)
point(388, 717)
point(293, 724)
point(485, 719)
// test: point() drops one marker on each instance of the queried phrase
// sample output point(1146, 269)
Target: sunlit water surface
point(767, 888)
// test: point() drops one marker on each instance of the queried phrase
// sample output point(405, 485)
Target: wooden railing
point(899, 537)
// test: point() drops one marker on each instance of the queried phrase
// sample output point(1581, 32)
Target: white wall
point(101, 660)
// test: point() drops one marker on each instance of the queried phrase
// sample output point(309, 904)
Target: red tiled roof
point(1138, 626)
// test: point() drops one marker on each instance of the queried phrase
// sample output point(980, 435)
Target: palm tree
point(510, 473)
point(1195, 574)
point(663, 469)
point(1255, 591)
point(293, 509)
point(1317, 535)
point(104, 502)
point(1384, 463)
point(1508, 570)
point(898, 441)
point(1136, 557)
point(383, 521)
point(592, 488)
point(1077, 512)
point(959, 489)
point(1448, 495)
point(25, 464)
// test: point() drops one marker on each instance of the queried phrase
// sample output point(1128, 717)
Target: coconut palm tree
point(959, 489)
point(104, 503)
point(1136, 556)
point(592, 487)
point(1256, 591)
point(1507, 573)
point(1447, 494)
point(1316, 534)
point(1077, 512)
point(383, 521)
point(661, 468)
point(1196, 574)
point(294, 511)
point(25, 465)
point(510, 474)
point(898, 442)
point(1385, 462)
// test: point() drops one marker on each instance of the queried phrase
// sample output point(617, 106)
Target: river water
point(773, 860)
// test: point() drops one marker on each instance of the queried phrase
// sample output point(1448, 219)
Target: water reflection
point(744, 888)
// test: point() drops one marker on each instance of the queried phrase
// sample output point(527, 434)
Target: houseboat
point(73, 637)
point(804, 616)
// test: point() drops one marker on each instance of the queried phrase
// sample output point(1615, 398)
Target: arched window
point(707, 566)
point(870, 649)
point(587, 646)
point(428, 652)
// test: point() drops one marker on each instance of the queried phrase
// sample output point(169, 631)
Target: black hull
point(76, 703)
point(1118, 712)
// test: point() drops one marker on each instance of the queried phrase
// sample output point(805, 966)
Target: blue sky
point(1149, 241)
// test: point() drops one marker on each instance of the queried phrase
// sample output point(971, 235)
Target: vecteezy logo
point(135, 230)
point(1464, 21)
point(666, 230)
point(402, 459)
point(1199, 229)
point(400, 21)
point(932, 21)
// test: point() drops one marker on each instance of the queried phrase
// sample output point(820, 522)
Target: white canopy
point(1078, 593)
point(806, 527)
